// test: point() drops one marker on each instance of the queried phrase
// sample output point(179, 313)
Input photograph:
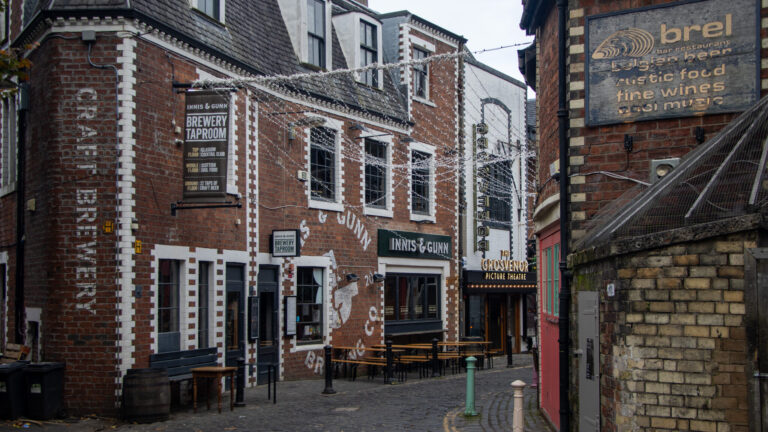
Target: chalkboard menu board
point(672, 60)
point(205, 145)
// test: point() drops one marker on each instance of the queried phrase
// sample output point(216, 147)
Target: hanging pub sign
point(672, 60)
point(285, 243)
point(205, 145)
point(406, 244)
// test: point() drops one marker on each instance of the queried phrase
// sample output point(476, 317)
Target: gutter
point(21, 226)
point(565, 274)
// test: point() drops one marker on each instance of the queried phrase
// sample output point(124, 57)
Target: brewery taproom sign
point(406, 244)
point(285, 243)
point(205, 145)
point(673, 60)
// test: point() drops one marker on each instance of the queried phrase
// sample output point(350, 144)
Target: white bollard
point(517, 413)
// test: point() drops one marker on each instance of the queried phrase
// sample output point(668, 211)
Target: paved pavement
point(435, 404)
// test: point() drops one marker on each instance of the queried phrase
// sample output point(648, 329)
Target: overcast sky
point(486, 24)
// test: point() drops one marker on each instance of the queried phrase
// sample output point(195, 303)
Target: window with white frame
point(8, 150)
point(203, 303)
point(420, 74)
point(322, 163)
point(421, 163)
point(309, 305)
point(168, 292)
point(376, 177)
point(212, 8)
point(316, 37)
point(369, 53)
point(4, 25)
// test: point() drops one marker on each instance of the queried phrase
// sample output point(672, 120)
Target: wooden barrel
point(146, 395)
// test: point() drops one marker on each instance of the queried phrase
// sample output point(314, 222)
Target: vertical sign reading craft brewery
point(205, 145)
point(673, 60)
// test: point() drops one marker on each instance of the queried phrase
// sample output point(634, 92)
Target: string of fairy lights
point(440, 171)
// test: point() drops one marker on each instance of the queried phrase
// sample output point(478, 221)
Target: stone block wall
point(673, 340)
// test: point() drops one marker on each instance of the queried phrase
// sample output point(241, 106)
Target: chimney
point(363, 2)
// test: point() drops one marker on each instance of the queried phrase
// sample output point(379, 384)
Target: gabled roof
point(408, 16)
point(254, 39)
point(725, 177)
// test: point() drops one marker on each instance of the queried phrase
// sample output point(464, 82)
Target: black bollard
point(388, 376)
point(240, 394)
point(510, 362)
point(435, 361)
point(329, 370)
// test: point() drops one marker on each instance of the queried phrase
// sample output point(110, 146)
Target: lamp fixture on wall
point(407, 139)
point(351, 277)
point(378, 277)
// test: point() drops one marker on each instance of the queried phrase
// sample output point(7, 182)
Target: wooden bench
point(180, 363)
point(14, 352)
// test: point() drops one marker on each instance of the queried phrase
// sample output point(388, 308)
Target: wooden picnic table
point(372, 349)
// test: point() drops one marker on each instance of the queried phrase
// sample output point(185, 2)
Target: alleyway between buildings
point(361, 405)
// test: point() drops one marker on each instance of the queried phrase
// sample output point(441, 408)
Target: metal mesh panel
point(722, 178)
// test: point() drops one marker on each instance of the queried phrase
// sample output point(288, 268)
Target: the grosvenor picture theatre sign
point(205, 145)
point(500, 276)
point(673, 60)
point(406, 244)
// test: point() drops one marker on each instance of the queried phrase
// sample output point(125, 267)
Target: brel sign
point(205, 145)
point(672, 60)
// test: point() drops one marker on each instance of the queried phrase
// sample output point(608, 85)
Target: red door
point(549, 290)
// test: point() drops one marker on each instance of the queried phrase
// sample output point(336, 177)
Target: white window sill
point(422, 218)
point(325, 205)
point(371, 211)
point(308, 347)
point(7, 190)
point(424, 101)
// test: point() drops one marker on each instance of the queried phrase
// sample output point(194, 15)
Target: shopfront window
point(411, 297)
point(168, 305)
point(309, 305)
point(476, 316)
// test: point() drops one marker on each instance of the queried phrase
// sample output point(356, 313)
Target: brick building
point(642, 84)
point(314, 188)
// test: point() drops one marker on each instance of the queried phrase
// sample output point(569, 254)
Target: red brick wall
point(283, 205)
point(74, 105)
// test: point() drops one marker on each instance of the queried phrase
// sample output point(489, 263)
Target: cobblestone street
point(362, 405)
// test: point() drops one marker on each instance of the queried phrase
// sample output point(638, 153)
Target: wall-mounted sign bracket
point(180, 205)
point(182, 87)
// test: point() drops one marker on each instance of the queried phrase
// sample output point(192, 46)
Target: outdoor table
point(217, 373)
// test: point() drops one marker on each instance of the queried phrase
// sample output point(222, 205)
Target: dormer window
point(316, 33)
point(308, 23)
point(212, 8)
point(420, 74)
point(369, 53)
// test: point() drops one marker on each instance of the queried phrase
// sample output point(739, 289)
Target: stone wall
point(673, 341)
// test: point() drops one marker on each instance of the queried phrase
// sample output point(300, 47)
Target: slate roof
point(724, 178)
point(254, 38)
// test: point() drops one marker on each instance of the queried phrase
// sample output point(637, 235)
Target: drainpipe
point(21, 171)
point(565, 275)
